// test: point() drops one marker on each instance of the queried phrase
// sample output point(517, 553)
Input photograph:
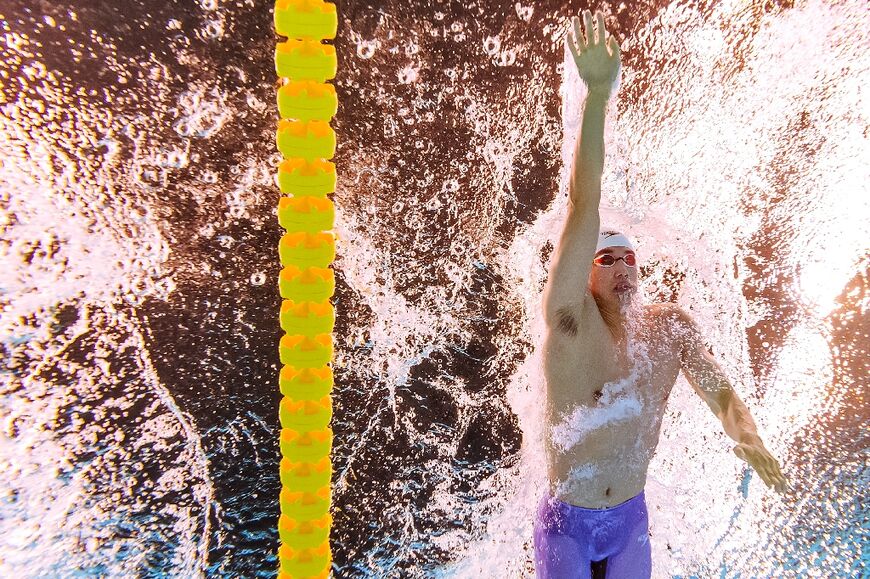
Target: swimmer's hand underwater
point(753, 452)
point(598, 67)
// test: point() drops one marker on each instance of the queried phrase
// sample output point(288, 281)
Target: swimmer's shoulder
point(668, 313)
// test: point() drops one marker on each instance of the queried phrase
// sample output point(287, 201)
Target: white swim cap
point(610, 238)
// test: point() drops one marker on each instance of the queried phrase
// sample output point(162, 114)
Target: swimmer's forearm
point(736, 419)
point(588, 165)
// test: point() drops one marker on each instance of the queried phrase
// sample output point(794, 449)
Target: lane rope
point(306, 176)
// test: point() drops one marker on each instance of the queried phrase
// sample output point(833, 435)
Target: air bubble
point(183, 129)
point(365, 49)
point(174, 159)
point(226, 241)
point(208, 177)
point(214, 29)
point(408, 75)
point(491, 45)
point(254, 103)
point(524, 12)
point(507, 58)
point(149, 176)
point(259, 278)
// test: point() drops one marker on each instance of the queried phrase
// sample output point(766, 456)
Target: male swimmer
point(610, 364)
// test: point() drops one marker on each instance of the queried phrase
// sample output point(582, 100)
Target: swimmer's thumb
point(741, 454)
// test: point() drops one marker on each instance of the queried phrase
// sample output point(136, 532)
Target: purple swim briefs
point(571, 540)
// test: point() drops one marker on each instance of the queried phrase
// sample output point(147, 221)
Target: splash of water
point(134, 209)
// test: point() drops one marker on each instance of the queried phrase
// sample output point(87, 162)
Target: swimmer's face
point(617, 284)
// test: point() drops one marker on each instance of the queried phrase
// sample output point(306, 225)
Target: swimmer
point(610, 363)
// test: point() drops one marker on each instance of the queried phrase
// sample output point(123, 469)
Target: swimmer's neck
point(615, 317)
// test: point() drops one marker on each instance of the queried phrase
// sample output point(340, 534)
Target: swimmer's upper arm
point(698, 365)
point(565, 294)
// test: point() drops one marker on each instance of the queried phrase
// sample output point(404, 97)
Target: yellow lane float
point(302, 178)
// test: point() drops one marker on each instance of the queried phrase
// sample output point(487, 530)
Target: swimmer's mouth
point(622, 287)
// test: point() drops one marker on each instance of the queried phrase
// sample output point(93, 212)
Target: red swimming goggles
point(608, 260)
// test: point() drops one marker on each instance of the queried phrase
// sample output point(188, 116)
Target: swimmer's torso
point(605, 405)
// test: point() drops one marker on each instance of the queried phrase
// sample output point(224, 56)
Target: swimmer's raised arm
point(597, 57)
point(710, 382)
point(572, 260)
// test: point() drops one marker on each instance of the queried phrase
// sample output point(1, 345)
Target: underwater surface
point(139, 302)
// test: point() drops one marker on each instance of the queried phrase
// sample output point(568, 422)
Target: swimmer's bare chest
point(606, 399)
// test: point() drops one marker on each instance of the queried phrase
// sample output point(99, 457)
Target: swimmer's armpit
point(566, 322)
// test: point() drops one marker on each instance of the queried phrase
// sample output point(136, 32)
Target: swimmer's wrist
point(600, 91)
point(750, 437)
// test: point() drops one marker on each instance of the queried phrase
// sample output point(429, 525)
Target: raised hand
point(597, 66)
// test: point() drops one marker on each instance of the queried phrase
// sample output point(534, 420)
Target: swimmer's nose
point(620, 269)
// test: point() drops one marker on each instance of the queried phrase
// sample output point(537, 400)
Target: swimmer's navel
point(607, 492)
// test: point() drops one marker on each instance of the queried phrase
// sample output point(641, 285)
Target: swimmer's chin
point(626, 299)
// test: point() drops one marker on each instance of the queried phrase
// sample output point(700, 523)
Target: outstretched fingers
point(614, 47)
point(773, 472)
point(779, 478)
point(590, 31)
point(595, 34)
point(578, 36)
point(768, 478)
point(576, 44)
point(600, 33)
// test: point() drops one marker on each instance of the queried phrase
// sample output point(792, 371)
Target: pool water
point(138, 274)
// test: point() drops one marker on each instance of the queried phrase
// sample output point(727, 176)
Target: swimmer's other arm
point(710, 382)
